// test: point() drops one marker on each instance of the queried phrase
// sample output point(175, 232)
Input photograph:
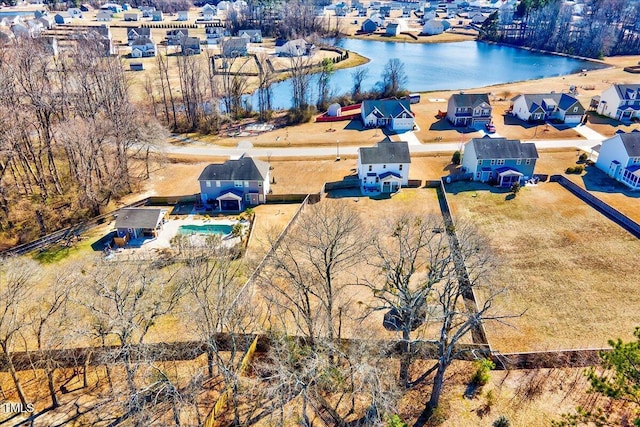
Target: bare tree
point(266, 79)
point(324, 77)
point(394, 78)
point(17, 279)
point(358, 76)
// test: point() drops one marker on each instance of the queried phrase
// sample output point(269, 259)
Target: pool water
point(209, 229)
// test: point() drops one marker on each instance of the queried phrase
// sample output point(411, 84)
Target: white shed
point(334, 110)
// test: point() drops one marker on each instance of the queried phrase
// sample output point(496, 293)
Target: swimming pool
point(205, 229)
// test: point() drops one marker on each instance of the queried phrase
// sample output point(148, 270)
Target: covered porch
point(508, 176)
point(631, 177)
point(390, 182)
point(230, 200)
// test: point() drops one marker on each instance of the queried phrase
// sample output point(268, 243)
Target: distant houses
point(383, 168)
point(294, 48)
point(394, 114)
point(500, 160)
point(143, 47)
point(235, 184)
point(619, 158)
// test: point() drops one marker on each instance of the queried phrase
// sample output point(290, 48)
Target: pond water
point(442, 66)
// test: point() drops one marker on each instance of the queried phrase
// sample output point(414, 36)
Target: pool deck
point(170, 229)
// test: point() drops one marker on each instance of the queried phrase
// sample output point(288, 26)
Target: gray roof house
point(506, 161)
point(138, 223)
point(234, 184)
point(619, 157)
point(469, 109)
point(190, 46)
point(254, 36)
point(393, 113)
point(383, 168)
point(234, 47)
point(620, 102)
point(562, 107)
point(135, 32)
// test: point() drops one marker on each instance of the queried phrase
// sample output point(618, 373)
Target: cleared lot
point(569, 269)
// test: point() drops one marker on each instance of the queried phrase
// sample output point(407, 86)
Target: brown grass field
point(567, 267)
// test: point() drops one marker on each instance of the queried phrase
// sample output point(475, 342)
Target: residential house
point(433, 27)
point(47, 21)
point(10, 20)
point(253, 36)
point(385, 11)
point(138, 223)
point(40, 13)
point(104, 16)
point(143, 47)
point(113, 7)
point(134, 33)
point(563, 107)
point(393, 29)
point(383, 168)
point(190, 46)
point(477, 18)
point(215, 35)
point(86, 7)
point(234, 47)
point(157, 16)
point(429, 12)
point(620, 102)
point(505, 161)
point(223, 5)
point(469, 109)
point(62, 18)
point(131, 16)
point(75, 12)
point(292, 48)
point(147, 11)
point(378, 19)
point(392, 113)
point(368, 26)
point(175, 37)
point(21, 30)
point(235, 184)
point(209, 12)
point(183, 15)
point(619, 158)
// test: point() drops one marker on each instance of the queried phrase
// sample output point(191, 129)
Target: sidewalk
point(588, 133)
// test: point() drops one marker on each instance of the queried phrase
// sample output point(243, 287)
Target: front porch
point(631, 177)
point(508, 176)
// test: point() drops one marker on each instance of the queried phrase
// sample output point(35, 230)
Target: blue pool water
point(205, 229)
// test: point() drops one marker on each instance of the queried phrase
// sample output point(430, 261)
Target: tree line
point(329, 278)
point(598, 28)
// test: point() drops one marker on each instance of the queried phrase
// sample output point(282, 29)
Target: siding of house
point(612, 149)
point(363, 170)
point(210, 190)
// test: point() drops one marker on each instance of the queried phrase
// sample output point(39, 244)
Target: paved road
point(195, 148)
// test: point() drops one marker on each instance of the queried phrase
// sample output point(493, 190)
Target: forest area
point(599, 28)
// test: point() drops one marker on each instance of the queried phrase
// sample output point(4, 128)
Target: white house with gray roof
point(620, 102)
point(548, 106)
point(504, 160)
point(619, 158)
point(235, 184)
point(383, 168)
point(392, 113)
point(138, 223)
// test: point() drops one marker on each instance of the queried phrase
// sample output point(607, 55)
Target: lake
point(443, 66)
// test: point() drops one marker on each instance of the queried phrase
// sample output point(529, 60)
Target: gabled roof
point(243, 169)
point(631, 142)
point(470, 100)
point(502, 148)
point(564, 101)
point(386, 107)
point(141, 41)
point(140, 31)
point(385, 152)
point(625, 90)
point(139, 218)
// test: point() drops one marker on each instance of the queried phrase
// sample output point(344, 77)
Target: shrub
point(515, 188)
point(455, 159)
point(570, 169)
point(395, 421)
point(502, 421)
point(481, 376)
point(583, 157)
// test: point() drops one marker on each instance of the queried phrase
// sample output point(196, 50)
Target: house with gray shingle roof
point(392, 113)
point(383, 168)
point(235, 184)
point(506, 161)
point(137, 223)
point(619, 158)
point(620, 102)
point(548, 106)
point(469, 109)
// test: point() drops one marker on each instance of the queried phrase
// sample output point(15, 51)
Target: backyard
point(567, 267)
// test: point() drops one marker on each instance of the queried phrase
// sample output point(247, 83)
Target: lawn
point(567, 268)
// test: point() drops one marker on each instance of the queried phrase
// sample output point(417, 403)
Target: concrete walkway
point(588, 133)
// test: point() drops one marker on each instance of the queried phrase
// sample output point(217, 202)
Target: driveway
point(588, 133)
point(409, 137)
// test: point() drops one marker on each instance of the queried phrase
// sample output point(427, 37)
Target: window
point(208, 184)
point(478, 175)
point(519, 162)
point(247, 197)
point(217, 183)
point(246, 183)
point(400, 167)
point(237, 184)
point(500, 162)
point(370, 168)
point(384, 166)
point(575, 109)
point(528, 161)
point(480, 162)
point(260, 184)
point(377, 179)
point(493, 162)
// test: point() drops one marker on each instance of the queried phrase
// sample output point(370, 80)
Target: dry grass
point(565, 265)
